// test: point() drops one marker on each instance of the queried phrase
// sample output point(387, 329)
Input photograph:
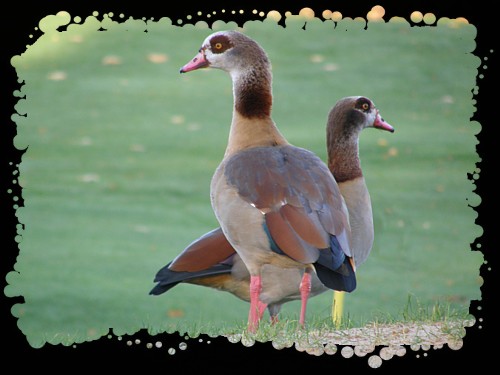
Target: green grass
point(320, 331)
point(116, 175)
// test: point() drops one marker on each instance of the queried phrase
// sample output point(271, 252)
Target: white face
point(368, 110)
point(217, 60)
point(370, 116)
point(213, 53)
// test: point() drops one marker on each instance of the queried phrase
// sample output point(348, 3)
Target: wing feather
point(297, 193)
point(208, 250)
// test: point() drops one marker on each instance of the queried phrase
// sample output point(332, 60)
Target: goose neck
point(343, 157)
point(252, 93)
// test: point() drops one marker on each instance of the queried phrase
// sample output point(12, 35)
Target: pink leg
point(262, 309)
point(305, 289)
point(253, 315)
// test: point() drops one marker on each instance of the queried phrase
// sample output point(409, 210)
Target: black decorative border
point(217, 354)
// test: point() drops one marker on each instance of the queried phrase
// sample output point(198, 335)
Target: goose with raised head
point(348, 117)
point(277, 204)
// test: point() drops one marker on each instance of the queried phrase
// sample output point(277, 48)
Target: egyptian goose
point(276, 203)
point(211, 260)
point(346, 120)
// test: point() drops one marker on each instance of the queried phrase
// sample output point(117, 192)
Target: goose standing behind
point(346, 120)
point(211, 260)
point(276, 203)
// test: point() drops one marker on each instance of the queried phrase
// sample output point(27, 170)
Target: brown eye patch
point(363, 104)
point(220, 43)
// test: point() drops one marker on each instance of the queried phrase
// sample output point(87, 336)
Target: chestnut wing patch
point(297, 194)
point(208, 250)
point(206, 261)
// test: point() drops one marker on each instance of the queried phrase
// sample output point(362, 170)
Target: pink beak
point(199, 61)
point(381, 124)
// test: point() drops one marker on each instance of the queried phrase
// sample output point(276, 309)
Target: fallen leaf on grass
point(89, 177)
point(177, 119)
point(158, 58)
point(331, 67)
point(57, 76)
point(317, 58)
point(111, 60)
point(175, 313)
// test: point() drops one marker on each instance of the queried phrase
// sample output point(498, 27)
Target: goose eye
point(365, 106)
point(220, 43)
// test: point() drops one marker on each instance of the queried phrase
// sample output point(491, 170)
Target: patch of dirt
point(392, 338)
point(419, 333)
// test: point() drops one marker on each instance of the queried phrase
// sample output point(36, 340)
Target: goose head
point(230, 51)
point(352, 114)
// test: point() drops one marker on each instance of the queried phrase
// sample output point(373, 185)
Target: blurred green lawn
point(121, 149)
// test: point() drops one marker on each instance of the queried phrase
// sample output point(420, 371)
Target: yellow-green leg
point(337, 308)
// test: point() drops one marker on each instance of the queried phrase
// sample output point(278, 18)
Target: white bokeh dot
point(374, 361)
point(347, 352)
